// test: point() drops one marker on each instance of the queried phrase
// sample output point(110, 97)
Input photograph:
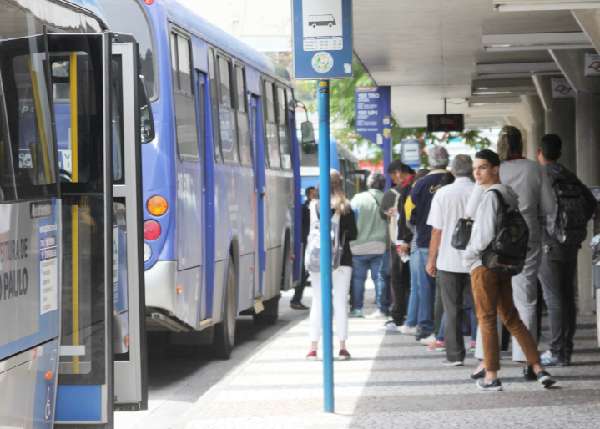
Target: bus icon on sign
point(321, 20)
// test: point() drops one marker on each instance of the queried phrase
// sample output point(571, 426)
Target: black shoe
point(422, 335)
point(545, 379)
point(528, 373)
point(478, 374)
point(298, 306)
point(489, 386)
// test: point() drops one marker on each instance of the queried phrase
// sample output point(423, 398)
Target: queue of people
point(459, 251)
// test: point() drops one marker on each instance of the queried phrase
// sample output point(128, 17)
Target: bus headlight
point(147, 252)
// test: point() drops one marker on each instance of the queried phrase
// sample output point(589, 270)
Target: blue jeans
point(360, 265)
point(426, 291)
point(382, 293)
point(413, 298)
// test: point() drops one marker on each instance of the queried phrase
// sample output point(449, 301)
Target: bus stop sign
point(322, 39)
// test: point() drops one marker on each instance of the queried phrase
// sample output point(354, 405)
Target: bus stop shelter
point(526, 63)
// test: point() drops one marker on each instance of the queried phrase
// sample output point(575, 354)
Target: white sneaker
point(390, 326)
point(453, 363)
point(428, 340)
point(408, 330)
point(377, 314)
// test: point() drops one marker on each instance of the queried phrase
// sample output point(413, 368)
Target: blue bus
point(220, 169)
point(70, 223)
point(342, 159)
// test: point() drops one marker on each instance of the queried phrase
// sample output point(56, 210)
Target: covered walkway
point(392, 381)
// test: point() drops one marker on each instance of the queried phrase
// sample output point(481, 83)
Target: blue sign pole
point(386, 127)
point(325, 257)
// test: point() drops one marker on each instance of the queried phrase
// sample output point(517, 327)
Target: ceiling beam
point(544, 5)
point(534, 41)
point(589, 21)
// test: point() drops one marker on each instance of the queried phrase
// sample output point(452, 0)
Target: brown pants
point(492, 294)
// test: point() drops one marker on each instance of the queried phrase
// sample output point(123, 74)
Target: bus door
point(29, 234)
point(80, 74)
point(258, 139)
point(206, 141)
point(129, 337)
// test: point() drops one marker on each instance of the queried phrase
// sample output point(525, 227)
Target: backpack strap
point(503, 207)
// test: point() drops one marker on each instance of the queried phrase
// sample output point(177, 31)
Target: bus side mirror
point(308, 137)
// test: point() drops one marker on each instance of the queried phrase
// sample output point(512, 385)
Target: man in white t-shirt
point(445, 262)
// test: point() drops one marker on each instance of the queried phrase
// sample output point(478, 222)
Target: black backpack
point(508, 250)
point(574, 210)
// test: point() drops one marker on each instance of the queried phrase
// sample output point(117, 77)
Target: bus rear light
point(151, 230)
point(48, 375)
point(157, 205)
point(179, 289)
point(149, 2)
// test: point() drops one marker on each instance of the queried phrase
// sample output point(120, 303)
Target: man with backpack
point(392, 205)
point(496, 251)
point(562, 241)
point(536, 202)
point(369, 247)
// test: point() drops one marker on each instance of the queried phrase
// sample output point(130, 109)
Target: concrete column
point(587, 138)
point(535, 128)
point(560, 120)
point(559, 117)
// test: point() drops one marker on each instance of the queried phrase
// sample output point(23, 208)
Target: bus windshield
point(119, 15)
point(26, 137)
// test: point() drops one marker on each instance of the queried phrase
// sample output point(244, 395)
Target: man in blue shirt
point(421, 197)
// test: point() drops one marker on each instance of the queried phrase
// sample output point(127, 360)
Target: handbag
point(312, 260)
point(462, 233)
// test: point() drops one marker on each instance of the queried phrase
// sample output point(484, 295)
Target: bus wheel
point(224, 338)
point(270, 314)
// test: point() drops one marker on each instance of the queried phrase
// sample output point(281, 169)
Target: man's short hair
point(489, 156)
point(551, 147)
point(462, 166)
point(438, 156)
point(376, 181)
point(398, 165)
point(510, 141)
point(307, 190)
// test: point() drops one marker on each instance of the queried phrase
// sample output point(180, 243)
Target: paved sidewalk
point(392, 381)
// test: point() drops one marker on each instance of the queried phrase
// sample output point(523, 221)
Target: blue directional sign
point(322, 39)
point(373, 113)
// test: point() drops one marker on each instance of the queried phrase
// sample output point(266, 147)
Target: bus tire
point(224, 338)
point(270, 315)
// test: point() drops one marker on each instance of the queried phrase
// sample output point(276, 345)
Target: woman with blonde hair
point(344, 223)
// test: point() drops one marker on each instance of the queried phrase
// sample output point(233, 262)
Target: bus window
point(271, 127)
point(284, 138)
point(74, 116)
point(27, 150)
point(226, 114)
point(185, 121)
point(120, 14)
point(212, 75)
point(242, 118)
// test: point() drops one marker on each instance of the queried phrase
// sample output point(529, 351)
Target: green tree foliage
point(342, 111)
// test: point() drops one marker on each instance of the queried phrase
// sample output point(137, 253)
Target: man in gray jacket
point(536, 202)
